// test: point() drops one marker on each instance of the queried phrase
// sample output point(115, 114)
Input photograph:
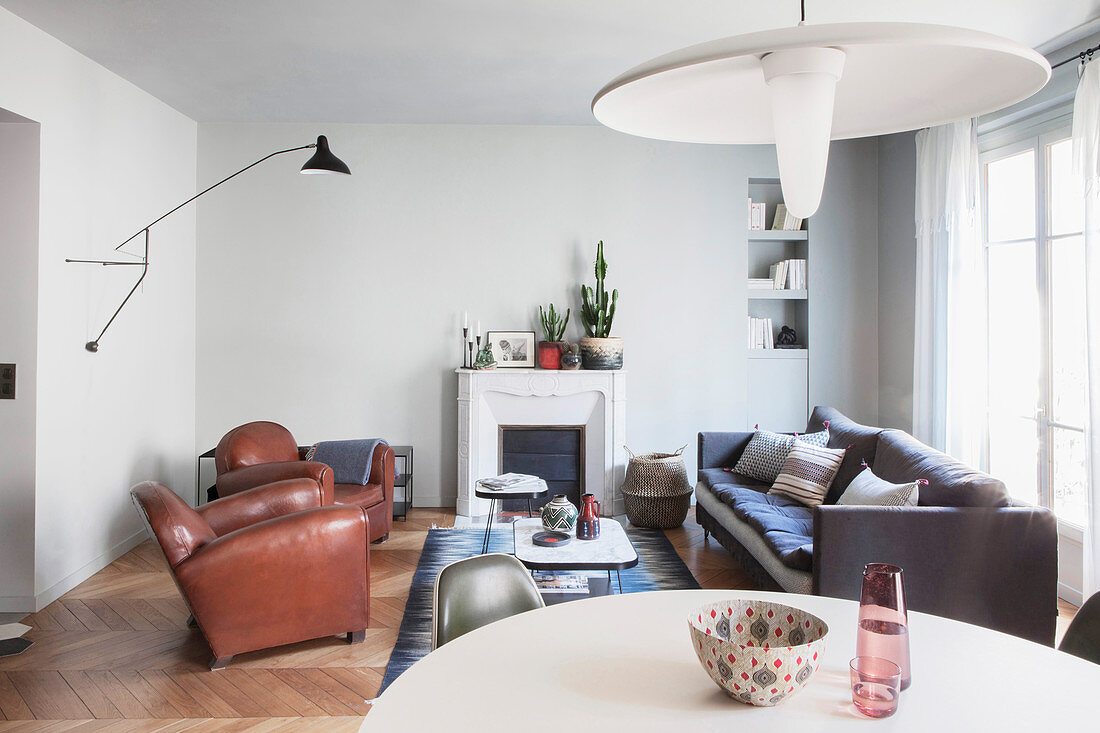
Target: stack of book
point(511, 482)
point(549, 582)
point(784, 221)
point(788, 275)
point(760, 333)
point(761, 283)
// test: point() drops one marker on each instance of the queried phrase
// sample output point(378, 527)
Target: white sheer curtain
point(949, 376)
point(1086, 162)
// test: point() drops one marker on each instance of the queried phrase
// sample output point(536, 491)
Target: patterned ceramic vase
point(588, 523)
point(559, 515)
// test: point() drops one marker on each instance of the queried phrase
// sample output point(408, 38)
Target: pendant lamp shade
point(323, 161)
point(801, 87)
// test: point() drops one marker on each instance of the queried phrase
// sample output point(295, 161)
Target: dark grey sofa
point(968, 552)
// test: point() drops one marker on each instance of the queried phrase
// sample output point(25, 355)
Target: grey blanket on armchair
point(350, 460)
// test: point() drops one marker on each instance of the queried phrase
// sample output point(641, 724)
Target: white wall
point(897, 273)
point(18, 345)
point(332, 305)
point(112, 158)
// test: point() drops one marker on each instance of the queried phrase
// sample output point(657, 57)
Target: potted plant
point(571, 356)
point(599, 349)
point(553, 328)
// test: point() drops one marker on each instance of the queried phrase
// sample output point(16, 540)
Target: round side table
point(499, 495)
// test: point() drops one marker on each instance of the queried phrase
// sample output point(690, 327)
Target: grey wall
point(18, 344)
point(333, 304)
point(897, 271)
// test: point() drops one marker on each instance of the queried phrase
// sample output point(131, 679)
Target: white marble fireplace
point(493, 398)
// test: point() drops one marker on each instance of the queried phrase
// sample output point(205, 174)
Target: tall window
point(1034, 219)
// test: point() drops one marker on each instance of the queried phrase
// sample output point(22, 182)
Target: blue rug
point(658, 568)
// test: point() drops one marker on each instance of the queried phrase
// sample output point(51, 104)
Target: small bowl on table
point(760, 653)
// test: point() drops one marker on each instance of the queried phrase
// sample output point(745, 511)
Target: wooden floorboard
point(116, 654)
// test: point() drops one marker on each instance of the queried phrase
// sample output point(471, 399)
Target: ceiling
point(446, 61)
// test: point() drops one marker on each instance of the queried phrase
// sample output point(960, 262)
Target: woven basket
point(656, 492)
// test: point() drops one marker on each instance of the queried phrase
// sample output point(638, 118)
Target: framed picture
point(513, 349)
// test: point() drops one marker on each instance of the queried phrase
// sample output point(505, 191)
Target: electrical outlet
point(7, 381)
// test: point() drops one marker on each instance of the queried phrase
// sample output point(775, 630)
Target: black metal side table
point(499, 495)
point(403, 480)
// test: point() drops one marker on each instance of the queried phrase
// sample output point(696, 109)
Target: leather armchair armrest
point(995, 567)
point(261, 503)
point(382, 470)
point(242, 479)
point(721, 450)
point(282, 580)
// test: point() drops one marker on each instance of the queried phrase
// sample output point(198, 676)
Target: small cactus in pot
point(553, 328)
point(599, 349)
point(571, 356)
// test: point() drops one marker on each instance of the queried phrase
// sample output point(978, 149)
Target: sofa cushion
point(867, 489)
point(808, 473)
point(715, 477)
point(860, 442)
point(764, 455)
point(900, 457)
point(785, 525)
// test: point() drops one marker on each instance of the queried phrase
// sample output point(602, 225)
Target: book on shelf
point(788, 275)
point(756, 215)
point(761, 335)
point(784, 221)
point(509, 481)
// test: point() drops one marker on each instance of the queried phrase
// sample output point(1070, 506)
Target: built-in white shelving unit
point(778, 379)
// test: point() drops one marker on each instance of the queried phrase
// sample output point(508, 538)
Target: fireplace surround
point(490, 399)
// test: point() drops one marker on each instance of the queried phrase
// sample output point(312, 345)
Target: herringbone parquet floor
point(115, 653)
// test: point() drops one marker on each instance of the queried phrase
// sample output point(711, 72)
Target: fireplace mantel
point(490, 398)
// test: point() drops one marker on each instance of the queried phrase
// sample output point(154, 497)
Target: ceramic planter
point(559, 515)
point(602, 354)
point(550, 354)
point(569, 362)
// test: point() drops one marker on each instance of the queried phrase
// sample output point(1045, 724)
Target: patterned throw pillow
point(808, 473)
point(867, 489)
point(766, 451)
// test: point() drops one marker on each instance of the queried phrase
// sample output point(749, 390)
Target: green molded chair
point(477, 591)
point(1082, 638)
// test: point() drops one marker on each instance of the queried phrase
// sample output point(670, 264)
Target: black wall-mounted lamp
point(322, 161)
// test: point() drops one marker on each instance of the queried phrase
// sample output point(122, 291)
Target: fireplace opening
point(554, 453)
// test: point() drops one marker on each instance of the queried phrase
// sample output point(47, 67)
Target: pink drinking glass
point(875, 686)
point(883, 623)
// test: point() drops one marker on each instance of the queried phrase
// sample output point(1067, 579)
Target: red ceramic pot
point(550, 354)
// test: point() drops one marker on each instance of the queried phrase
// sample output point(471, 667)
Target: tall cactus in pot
point(599, 349)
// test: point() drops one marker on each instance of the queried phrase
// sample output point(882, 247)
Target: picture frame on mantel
point(513, 349)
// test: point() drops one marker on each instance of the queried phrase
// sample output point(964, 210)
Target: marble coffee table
point(613, 550)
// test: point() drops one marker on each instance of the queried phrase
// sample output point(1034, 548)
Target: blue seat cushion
point(785, 525)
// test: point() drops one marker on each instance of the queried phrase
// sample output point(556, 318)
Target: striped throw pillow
point(808, 473)
point(764, 455)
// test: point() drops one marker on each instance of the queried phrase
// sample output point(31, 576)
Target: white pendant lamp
point(801, 87)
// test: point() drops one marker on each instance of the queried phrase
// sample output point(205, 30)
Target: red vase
point(883, 622)
point(550, 354)
point(588, 523)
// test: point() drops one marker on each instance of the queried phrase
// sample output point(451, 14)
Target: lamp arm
point(93, 345)
point(211, 188)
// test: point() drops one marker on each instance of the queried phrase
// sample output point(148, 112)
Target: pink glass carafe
point(883, 624)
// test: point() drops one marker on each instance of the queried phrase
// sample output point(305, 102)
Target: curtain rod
point(1083, 56)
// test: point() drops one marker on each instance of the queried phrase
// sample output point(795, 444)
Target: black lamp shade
point(323, 161)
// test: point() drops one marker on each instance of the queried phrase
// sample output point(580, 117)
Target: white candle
point(465, 319)
point(477, 331)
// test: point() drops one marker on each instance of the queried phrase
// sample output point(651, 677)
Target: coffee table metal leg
point(619, 578)
point(488, 526)
point(529, 507)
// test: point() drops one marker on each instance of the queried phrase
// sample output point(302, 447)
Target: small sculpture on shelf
point(787, 338)
point(485, 358)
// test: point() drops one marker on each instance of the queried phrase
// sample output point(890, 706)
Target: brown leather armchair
point(272, 565)
point(260, 452)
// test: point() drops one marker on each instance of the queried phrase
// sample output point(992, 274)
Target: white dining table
point(625, 662)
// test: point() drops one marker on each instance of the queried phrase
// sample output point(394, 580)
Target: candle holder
point(465, 341)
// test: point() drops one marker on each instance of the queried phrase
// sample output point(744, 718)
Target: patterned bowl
point(761, 653)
